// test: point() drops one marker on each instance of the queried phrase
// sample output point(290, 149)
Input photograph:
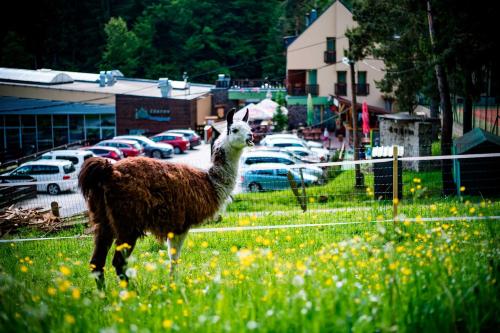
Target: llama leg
point(103, 238)
point(124, 248)
point(174, 250)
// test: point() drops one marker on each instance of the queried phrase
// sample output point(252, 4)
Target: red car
point(180, 143)
point(127, 147)
point(109, 152)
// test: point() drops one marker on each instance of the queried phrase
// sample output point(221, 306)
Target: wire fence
point(335, 194)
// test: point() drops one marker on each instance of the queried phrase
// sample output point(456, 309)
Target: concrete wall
point(203, 108)
point(307, 51)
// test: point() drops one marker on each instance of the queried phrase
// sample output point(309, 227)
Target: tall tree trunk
point(446, 111)
point(467, 115)
point(355, 140)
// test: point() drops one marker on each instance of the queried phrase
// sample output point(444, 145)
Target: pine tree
point(279, 118)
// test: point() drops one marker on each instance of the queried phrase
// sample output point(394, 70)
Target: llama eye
point(235, 130)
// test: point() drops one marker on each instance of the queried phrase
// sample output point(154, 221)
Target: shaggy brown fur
point(140, 194)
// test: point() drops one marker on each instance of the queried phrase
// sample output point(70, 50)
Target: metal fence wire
point(402, 189)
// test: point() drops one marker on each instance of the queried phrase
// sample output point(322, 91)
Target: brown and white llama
point(139, 195)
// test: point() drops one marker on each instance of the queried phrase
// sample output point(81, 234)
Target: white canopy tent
point(264, 110)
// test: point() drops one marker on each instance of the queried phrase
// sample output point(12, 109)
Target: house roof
point(345, 3)
point(88, 82)
point(474, 138)
point(31, 106)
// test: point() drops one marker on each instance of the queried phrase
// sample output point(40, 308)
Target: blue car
point(271, 176)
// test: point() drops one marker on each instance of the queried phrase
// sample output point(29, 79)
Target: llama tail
point(96, 171)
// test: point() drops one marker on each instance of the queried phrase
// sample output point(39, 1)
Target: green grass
point(408, 277)
point(363, 274)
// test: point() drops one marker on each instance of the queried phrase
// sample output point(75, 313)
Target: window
point(24, 170)
point(282, 172)
point(285, 161)
point(73, 159)
point(69, 168)
point(342, 77)
point(265, 172)
point(28, 121)
point(76, 128)
point(44, 170)
point(362, 77)
point(330, 44)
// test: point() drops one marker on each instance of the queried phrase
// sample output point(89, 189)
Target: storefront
point(30, 125)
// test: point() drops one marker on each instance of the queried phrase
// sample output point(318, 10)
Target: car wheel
point(254, 187)
point(156, 154)
point(53, 189)
point(177, 150)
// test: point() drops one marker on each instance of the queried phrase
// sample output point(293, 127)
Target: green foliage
point(121, 48)
point(279, 118)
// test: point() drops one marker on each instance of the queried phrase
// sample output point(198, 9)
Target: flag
point(366, 119)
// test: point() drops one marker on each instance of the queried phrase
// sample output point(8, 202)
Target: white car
point(77, 157)
point(306, 155)
point(52, 176)
point(295, 142)
point(256, 157)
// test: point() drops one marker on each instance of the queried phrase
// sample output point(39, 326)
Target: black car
point(151, 148)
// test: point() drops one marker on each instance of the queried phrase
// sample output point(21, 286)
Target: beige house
point(315, 65)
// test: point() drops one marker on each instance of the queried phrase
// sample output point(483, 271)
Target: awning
point(371, 108)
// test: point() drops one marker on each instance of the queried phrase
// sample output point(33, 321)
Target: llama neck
point(224, 170)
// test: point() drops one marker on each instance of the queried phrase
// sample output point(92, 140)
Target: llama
point(138, 195)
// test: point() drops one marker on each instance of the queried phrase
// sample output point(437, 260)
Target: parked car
point(305, 154)
point(180, 143)
point(77, 157)
point(310, 144)
point(273, 177)
point(129, 148)
point(53, 176)
point(281, 142)
point(107, 152)
point(257, 157)
point(192, 136)
point(151, 148)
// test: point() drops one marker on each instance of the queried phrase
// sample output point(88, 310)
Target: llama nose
point(250, 136)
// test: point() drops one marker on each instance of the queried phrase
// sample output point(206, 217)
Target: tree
point(280, 120)
point(121, 47)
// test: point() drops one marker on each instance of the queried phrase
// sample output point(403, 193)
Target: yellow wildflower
point(167, 323)
point(23, 269)
point(122, 247)
point(75, 293)
point(69, 319)
point(51, 291)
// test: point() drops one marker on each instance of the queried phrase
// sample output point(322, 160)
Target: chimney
point(313, 16)
point(165, 87)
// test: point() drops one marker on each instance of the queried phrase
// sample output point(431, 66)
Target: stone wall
point(415, 135)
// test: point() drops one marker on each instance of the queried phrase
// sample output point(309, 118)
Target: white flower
point(339, 284)
point(131, 273)
point(251, 325)
point(202, 319)
point(269, 313)
point(298, 281)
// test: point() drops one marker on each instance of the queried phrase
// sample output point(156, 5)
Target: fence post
point(395, 183)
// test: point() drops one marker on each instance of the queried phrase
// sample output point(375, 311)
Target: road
point(72, 203)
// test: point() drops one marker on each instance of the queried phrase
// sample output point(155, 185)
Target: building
point(316, 66)
point(42, 109)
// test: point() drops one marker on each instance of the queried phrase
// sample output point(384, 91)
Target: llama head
point(239, 133)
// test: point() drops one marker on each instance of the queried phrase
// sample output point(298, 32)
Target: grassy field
point(364, 274)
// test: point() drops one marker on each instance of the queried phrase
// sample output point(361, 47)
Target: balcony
point(330, 57)
point(312, 89)
point(362, 89)
point(255, 83)
point(341, 89)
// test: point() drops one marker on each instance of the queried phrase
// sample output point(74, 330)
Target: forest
point(154, 38)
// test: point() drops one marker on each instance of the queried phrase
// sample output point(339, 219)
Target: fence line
point(282, 226)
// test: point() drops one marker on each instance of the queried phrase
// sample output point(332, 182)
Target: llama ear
point(245, 118)
point(229, 118)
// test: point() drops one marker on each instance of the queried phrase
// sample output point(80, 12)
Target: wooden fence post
point(395, 183)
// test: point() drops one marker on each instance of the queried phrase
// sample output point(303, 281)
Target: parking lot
point(72, 203)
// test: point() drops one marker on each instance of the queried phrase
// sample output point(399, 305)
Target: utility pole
point(355, 140)
point(446, 112)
